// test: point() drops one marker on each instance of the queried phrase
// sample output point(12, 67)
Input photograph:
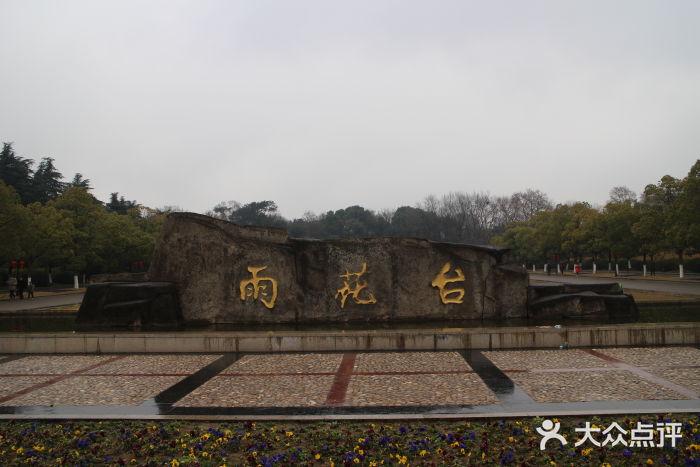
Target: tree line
point(664, 219)
point(57, 228)
point(455, 217)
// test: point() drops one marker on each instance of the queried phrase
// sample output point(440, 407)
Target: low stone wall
point(344, 341)
point(129, 304)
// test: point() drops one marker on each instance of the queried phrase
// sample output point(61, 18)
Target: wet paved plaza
point(469, 383)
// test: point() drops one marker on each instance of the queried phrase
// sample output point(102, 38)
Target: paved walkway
point(40, 302)
point(352, 385)
point(682, 288)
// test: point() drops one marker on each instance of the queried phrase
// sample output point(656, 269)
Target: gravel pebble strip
point(401, 390)
point(286, 363)
point(590, 386)
point(410, 361)
point(686, 377)
point(156, 364)
point(655, 356)
point(97, 390)
point(260, 391)
point(50, 364)
point(543, 359)
point(12, 384)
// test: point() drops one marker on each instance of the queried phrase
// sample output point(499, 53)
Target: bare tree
point(529, 202)
point(224, 209)
point(622, 194)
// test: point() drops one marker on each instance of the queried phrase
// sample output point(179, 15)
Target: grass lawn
point(653, 296)
point(457, 442)
point(68, 309)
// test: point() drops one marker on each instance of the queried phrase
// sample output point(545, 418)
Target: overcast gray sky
point(322, 104)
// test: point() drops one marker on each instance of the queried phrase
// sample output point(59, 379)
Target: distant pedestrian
point(12, 287)
point(30, 289)
point(21, 285)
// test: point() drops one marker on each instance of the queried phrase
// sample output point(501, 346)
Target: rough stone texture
point(208, 258)
point(118, 304)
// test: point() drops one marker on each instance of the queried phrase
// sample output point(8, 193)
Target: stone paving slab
point(96, 390)
point(408, 389)
point(260, 391)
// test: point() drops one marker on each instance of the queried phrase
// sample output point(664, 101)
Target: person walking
point(12, 287)
point(30, 289)
point(21, 285)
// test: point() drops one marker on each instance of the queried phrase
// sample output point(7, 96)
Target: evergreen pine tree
point(47, 181)
point(17, 172)
point(119, 204)
point(80, 182)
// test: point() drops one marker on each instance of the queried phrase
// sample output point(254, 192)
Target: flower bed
point(456, 442)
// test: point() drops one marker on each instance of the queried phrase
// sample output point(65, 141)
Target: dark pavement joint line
point(164, 401)
point(496, 380)
point(644, 374)
point(336, 395)
point(78, 372)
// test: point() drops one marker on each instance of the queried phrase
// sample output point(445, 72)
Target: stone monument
point(209, 271)
point(226, 273)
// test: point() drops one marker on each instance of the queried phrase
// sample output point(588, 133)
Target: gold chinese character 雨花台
point(455, 295)
point(353, 278)
point(255, 288)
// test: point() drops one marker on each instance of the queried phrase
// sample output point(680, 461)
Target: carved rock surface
point(208, 259)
